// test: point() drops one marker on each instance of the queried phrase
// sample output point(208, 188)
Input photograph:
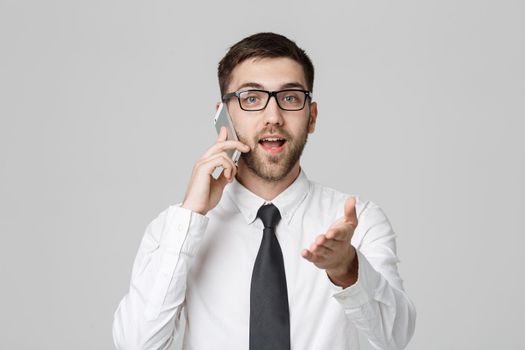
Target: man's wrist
point(347, 276)
point(189, 207)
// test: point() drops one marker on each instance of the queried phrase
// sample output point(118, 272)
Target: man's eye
point(251, 99)
point(290, 98)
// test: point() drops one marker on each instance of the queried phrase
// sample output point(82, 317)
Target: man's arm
point(365, 278)
point(146, 317)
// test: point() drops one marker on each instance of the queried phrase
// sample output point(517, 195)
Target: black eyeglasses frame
point(226, 97)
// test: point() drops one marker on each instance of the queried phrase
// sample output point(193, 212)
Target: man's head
point(278, 131)
point(263, 45)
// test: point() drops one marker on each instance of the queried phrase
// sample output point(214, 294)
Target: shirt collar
point(287, 201)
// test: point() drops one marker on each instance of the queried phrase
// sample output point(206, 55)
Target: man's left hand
point(332, 250)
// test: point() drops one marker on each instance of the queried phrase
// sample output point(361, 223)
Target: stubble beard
point(272, 168)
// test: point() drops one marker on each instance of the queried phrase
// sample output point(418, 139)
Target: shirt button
point(180, 228)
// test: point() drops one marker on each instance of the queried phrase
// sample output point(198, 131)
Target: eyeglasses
point(257, 100)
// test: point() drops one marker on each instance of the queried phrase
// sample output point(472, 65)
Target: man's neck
point(267, 190)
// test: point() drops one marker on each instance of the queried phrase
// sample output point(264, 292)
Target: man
point(263, 258)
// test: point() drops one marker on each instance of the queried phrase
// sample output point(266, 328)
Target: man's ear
point(313, 117)
point(217, 106)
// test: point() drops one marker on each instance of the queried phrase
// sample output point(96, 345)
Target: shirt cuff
point(361, 292)
point(185, 229)
point(194, 232)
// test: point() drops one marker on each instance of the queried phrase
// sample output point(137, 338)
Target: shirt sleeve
point(377, 303)
point(148, 315)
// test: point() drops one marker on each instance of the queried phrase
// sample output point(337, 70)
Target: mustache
point(281, 132)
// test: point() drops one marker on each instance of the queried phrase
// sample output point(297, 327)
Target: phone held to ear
point(222, 118)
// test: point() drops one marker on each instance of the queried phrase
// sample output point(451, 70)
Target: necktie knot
point(269, 215)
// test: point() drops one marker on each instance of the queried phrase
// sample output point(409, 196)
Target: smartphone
point(222, 118)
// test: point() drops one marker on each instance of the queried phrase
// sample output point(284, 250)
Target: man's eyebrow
point(293, 86)
point(254, 85)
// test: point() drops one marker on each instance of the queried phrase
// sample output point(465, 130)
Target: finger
point(305, 253)
point(350, 213)
point(311, 257)
point(332, 244)
point(212, 157)
point(322, 251)
point(224, 145)
point(223, 181)
point(323, 240)
point(230, 170)
point(316, 258)
point(208, 165)
point(337, 234)
point(319, 250)
point(320, 240)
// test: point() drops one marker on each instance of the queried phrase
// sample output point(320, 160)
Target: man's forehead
point(257, 85)
point(268, 73)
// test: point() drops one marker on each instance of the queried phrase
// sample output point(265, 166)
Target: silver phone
point(222, 118)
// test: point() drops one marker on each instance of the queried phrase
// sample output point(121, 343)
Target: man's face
point(271, 160)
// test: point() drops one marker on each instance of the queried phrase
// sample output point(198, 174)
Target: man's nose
point(272, 113)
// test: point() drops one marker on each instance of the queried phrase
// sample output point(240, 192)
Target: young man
point(263, 258)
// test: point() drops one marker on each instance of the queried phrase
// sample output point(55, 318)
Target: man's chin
point(266, 166)
point(272, 175)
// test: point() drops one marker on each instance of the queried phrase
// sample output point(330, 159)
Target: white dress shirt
point(202, 266)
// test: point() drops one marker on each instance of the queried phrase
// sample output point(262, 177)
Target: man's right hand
point(204, 192)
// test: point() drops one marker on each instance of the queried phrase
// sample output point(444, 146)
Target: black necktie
point(269, 315)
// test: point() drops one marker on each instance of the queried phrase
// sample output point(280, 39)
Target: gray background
point(105, 106)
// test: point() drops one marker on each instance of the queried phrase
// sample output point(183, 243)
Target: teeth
point(272, 139)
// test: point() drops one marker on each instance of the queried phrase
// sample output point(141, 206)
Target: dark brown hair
point(263, 45)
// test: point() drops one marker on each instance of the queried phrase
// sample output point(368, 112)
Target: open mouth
point(273, 145)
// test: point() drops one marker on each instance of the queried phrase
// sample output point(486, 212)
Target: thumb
point(350, 213)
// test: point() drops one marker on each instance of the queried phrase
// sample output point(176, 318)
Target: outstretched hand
point(332, 250)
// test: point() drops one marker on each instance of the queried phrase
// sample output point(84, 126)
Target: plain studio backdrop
point(106, 105)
